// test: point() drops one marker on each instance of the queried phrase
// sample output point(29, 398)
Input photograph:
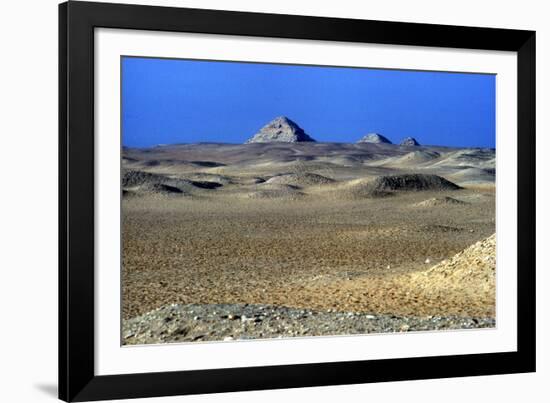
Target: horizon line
point(303, 142)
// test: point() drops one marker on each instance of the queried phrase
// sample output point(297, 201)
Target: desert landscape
point(285, 236)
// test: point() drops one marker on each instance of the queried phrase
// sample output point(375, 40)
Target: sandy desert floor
point(277, 233)
point(344, 256)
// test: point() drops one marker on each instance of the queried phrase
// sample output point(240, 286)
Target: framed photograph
point(256, 201)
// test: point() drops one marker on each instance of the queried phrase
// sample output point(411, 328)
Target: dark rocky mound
point(280, 130)
point(208, 177)
point(146, 182)
point(131, 178)
point(299, 179)
point(409, 141)
point(359, 189)
point(151, 163)
point(163, 189)
point(416, 182)
point(374, 138)
point(207, 164)
point(206, 184)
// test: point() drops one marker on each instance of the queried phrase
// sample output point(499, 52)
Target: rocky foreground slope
point(225, 322)
point(469, 274)
point(472, 270)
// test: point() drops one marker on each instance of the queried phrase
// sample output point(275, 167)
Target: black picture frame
point(77, 21)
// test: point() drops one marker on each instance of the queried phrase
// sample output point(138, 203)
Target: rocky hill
point(280, 130)
point(409, 141)
point(374, 138)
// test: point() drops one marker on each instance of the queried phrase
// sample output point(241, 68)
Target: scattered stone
point(273, 322)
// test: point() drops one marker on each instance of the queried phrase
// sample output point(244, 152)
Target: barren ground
point(296, 243)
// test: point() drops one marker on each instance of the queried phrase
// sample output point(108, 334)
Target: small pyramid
point(374, 138)
point(409, 141)
point(280, 130)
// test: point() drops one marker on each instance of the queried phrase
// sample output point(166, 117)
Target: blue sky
point(184, 101)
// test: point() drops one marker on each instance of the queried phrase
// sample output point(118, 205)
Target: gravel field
point(348, 256)
point(226, 322)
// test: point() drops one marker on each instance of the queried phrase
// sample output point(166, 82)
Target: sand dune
point(235, 165)
point(416, 158)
